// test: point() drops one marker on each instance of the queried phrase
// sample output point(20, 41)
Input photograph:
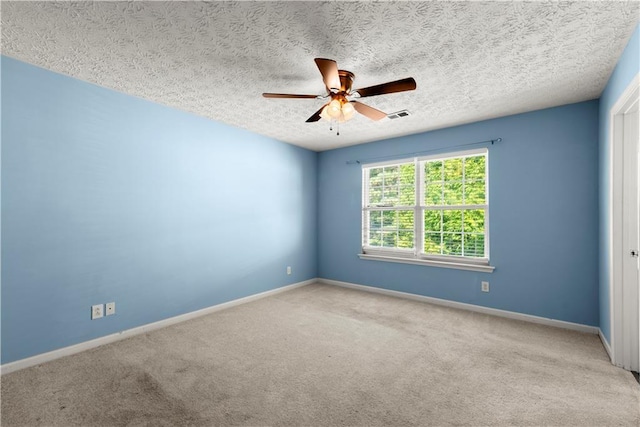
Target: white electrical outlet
point(289, 270)
point(485, 286)
point(110, 308)
point(97, 311)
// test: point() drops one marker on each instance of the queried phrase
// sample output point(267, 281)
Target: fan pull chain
point(337, 127)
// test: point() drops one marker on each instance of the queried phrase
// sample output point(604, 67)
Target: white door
point(625, 228)
point(630, 228)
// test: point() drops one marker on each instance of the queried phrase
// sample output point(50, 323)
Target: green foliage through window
point(392, 185)
point(391, 228)
point(453, 206)
point(454, 232)
point(454, 182)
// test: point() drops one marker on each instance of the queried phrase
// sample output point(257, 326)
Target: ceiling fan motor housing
point(346, 81)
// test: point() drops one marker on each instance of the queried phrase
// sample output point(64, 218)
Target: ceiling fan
point(342, 105)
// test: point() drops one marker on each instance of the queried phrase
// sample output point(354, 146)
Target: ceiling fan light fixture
point(334, 109)
point(324, 114)
point(348, 110)
point(339, 110)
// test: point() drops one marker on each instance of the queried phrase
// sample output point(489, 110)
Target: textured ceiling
point(471, 60)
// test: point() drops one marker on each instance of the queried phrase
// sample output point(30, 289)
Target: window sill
point(429, 262)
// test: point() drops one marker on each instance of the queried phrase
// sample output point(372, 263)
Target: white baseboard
point(470, 307)
point(77, 348)
point(605, 344)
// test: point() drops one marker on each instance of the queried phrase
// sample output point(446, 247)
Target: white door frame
point(629, 97)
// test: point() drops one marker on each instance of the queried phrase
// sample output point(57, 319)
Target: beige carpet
point(326, 356)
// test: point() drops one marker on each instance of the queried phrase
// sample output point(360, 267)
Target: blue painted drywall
point(626, 69)
point(107, 197)
point(543, 196)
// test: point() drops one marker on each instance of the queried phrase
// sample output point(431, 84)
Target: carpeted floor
point(326, 356)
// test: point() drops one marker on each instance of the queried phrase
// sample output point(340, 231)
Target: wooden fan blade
point(329, 70)
point(316, 115)
point(287, 95)
point(370, 112)
point(391, 87)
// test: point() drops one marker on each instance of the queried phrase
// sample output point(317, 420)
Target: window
point(433, 210)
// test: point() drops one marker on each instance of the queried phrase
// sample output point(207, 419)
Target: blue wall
point(626, 69)
point(107, 197)
point(543, 209)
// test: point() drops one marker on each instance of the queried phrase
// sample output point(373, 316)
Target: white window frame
point(417, 255)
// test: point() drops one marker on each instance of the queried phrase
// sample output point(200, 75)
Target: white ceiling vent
point(399, 114)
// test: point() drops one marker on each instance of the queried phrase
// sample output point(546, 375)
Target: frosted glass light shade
point(339, 110)
point(334, 109)
point(324, 114)
point(347, 111)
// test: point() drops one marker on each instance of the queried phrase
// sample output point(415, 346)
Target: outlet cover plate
point(485, 286)
point(97, 311)
point(110, 308)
